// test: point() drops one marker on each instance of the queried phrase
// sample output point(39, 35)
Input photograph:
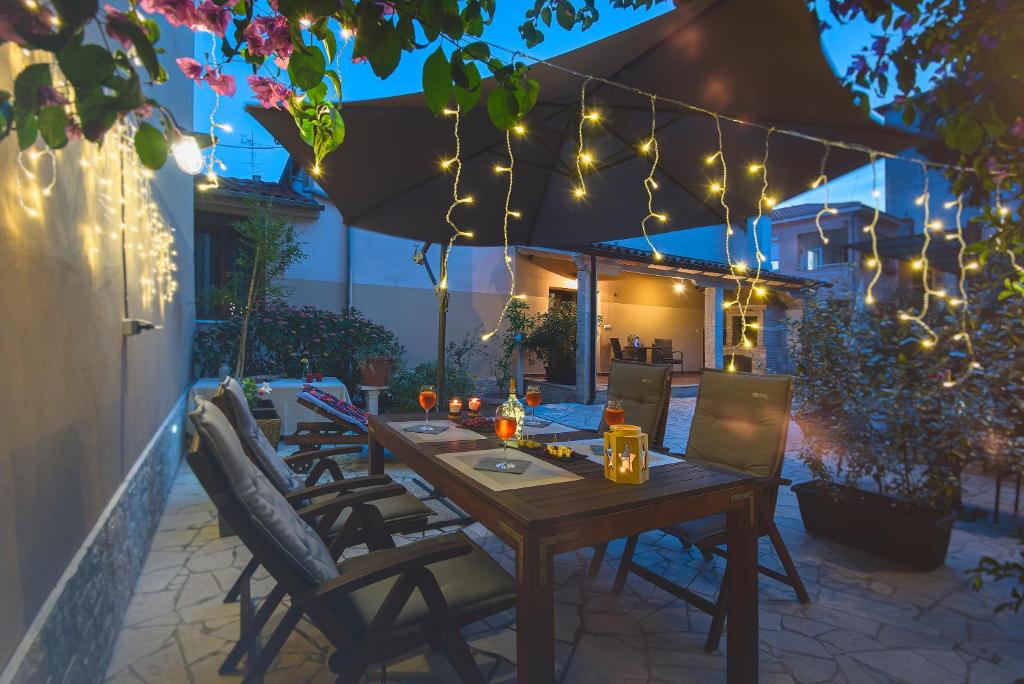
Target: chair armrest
point(350, 500)
point(300, 457)
point(318, 426)
point(385, 563)
point(339, 486)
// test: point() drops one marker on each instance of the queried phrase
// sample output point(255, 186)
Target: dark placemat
point(490, 463)
point(418, 429)
point(530, 421)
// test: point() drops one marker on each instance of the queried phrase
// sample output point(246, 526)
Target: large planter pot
point(880, 525)
point(561, 373)
point(376, 371)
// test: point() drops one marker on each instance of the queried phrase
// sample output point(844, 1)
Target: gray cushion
point(283, 477)
point(644, 390)
point(740, 420)
point(701, 529)
point(474, 580)
point(394, 509)
point(273, 517)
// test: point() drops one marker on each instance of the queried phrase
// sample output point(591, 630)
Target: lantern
point(473, 403)
point(625, 454)
point(454, 408)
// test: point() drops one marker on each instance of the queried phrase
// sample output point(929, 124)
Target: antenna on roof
point(250, 142)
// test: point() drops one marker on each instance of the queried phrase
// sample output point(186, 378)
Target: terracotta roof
point(804, 210)
point(696, 266)
point(276, 193)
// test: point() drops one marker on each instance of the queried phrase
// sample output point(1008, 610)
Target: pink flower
point(73, 131)
point(212, 18)
point(269, 92)
point(387, 9)
point(47, 96)
point(145, 110)
point(190, 67)
point(222, 84)
point(177, 12)
point(115, 20)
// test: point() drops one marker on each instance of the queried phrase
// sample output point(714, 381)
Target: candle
point(455, 407)
point(474, 406)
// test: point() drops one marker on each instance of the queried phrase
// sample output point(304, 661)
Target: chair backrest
point(741, 421)
point(644, 390)
point(616, 347)
point(230, 399)
point(280, 540)
point(663, 344)
point(334, 409)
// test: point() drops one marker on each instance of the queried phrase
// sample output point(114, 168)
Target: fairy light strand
point(825, 208)
point(457, 199)
point(921, 264)
point(871, 229)
point(508, 213)
point(763, 201)
point(583, 158)
point(650, 185)
point(963, 302)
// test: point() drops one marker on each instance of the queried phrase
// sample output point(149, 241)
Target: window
point(216, 251)
point(815, 255)
point(561, 297)
point(773, 255)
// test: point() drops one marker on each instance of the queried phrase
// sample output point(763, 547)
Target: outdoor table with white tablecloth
point(283, 395)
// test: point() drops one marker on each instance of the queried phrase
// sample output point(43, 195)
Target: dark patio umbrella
point(749, 59)
point(753, 60)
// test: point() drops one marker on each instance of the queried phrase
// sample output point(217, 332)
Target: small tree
point(268, 247)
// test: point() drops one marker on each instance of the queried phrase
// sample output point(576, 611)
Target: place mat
point(654, 458)
point(513, 466)
point(549, 429)
point(425, 429)
point(534, 422)
point(540, 471)
point(453, 433)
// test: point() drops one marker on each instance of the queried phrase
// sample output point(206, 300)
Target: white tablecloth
point(283, 398)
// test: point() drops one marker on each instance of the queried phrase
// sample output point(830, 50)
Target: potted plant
point(552, 341)
point(883, 435)
point(263, 409)
point(375, 358)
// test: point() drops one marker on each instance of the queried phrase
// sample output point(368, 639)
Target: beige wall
point(81, 400)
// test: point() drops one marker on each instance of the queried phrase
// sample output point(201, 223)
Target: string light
point(509, 213)
point(456, 162)
point(651, 145)
point(921, 264)
point(825, 208)
point(759, 258)
point(875, 261)
point(962, 302)
point(582, 157)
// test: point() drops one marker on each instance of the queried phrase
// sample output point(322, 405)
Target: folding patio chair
point(645, 390)
point(369, 607)
point(740, 423)
point(402, 513)
point(663, 353)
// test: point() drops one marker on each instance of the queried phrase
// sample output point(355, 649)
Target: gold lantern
point(625, 454)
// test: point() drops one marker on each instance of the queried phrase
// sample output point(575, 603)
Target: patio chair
point(645, 390)
point(370, 607)
point(740, 423)
point(616, 348)
point(663, 353)
point(349, 426)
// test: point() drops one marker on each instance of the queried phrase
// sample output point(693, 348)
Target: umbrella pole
point(442, 320)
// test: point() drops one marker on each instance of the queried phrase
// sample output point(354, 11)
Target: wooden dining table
point(541, 521)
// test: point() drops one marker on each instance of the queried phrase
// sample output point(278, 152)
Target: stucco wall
point(82, 401)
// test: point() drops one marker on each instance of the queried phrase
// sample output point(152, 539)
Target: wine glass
point(614, 414)
point(533, 401)
point(504, 428)
point(427, 398)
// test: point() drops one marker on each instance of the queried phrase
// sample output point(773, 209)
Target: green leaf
point(467, 98)
point(437, 81)
point(458, 70)
point(294, 9)
point(330, 45)
point(52, 124)
point(336, 80)
point(306, 67)
point(143, 47)
point(503, 108)
point(545, 16)
point(565, 14)
point(478, 50)
point(86, 66)
point(27, 85)
point(151, 146)
point(385, 58)
point(98, 111)
point(527, 95)
point(28, 128)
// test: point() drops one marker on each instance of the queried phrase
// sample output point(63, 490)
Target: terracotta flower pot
point(319, 376)
point(376, 371)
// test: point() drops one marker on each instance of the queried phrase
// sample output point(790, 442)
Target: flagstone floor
point(868, 620)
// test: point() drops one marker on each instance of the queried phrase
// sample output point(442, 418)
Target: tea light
point(474, 406)
point(455, 407)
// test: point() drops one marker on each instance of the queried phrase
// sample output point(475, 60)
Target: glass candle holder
point(474, 404)
point(454, 408)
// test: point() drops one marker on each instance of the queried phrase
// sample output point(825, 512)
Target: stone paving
point(868, 620)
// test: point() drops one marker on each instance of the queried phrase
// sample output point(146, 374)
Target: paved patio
point(868, 620)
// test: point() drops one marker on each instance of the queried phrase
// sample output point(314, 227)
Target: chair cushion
point(345, 412)
point(740, 421)
point(394, 509)
point(702, 529)
point(272, 517)
point(644, 390)
point(282, 477)
point(474, 580)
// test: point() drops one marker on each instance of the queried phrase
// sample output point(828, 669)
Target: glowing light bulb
point(869, 299)
point(761, 292)
point(917, 264)
point(678, 286)
point(654, 184)
point(935, 225)
point(927, 343)
point(519, 129)
point(450, 112)
point(586, 158)
point(955, 301)
point(346, 33)
point(974, 265)
point(226, 127)
point(716, 187)
point(770, 201)
point(521, 297)
point(1003, 211)
point(187, 154)
point(579, 192)
point(467, 200)
point(515, 214)
point(646, 146)
point(445, 163)
point(832, 210)
point(876, 194)
point(501, 169)
point(662, 217)
point(949, 205)
point(486, 336)
point(920, 200)
point(711, 157)
point(304, 22)
point(871, 263)
point(594, 116)
point(741, 266)
point(316, 170)
point(754, 168)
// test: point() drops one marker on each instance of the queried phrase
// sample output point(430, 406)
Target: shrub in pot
point(552, 341)
point(376, 359)
point(875, 414)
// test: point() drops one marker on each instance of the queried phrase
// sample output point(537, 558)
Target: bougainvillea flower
point(190, 67)
point(176, 12)
point(269, 93)
point(213, 18)
point(48, 95)
point(73, 131)
point(220, 83)
point(115, 20)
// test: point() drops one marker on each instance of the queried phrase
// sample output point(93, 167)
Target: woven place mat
point(540, 472)
point(654, 458)
point(453, 433)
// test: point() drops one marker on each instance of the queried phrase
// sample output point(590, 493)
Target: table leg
point(741, 635)
point(535, 615)
point(374, 454)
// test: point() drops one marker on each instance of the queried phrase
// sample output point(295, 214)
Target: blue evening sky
point(841, 42)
